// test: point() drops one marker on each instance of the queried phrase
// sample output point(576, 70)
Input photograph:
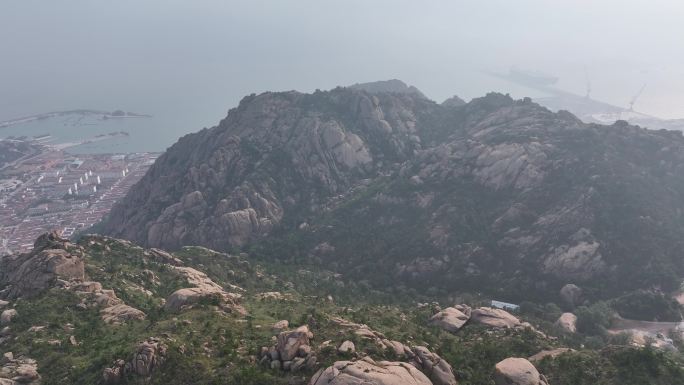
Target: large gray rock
point(148, 357)
point(451, 319)
point(7, 316)
point(433, 366)
point(347, 347)
point(495, 318)
point(118, 314)
point(280, 326)
point(18, 371)
point(581, 259)
point(289, 342)
point(367, 371)
point(185, 298)
point(571, 295)
point(517, 371)
point(51, 259)
point(567, 322)
point(204, 290)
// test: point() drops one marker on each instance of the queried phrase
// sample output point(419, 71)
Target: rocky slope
point(497, 194)
point(199, 316)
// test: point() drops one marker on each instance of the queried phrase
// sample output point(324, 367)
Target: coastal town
point(45, 188)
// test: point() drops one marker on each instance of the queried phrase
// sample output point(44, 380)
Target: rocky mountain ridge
point(205, 317)
point(495, 193)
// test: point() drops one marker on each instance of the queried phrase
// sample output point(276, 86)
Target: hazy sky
point(199, 57)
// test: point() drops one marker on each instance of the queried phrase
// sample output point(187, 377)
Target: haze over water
point(186, 63)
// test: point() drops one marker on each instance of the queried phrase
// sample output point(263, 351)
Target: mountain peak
point(387, 86)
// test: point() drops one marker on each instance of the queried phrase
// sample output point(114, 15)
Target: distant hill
point(378, 182)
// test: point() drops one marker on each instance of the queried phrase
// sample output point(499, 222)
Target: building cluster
point(55, 190)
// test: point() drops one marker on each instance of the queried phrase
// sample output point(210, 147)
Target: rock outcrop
point(495, 318)
point(121, 313)
point(292, 351)
point(290, 342)
point(205, 291)
point(517, 371)
point(148, 358)
point(367, 371)
point(7, 316)
point(52, 258)
point(18, 371)
point(571, 295)
point(567, 322)
point(451, 319)
point(346, 347)
point(365, 332)
point(280, 326)
point(433, 366)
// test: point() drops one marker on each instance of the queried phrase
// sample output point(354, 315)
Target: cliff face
point(223, 186)
point(493, 192)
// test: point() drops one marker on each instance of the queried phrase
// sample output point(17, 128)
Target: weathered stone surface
point(567, 322)
point(114, 375)
point(496, 318)
point(365, 332)
point(162, 256)
point(347, 347)
point(580, 260)
point(87, 287)
point(297, 364)
point(186, 298)
point(571, 295)
point(149, 356)
point(517, 371)
point(52, 258)
point(367, 371)
point(121, 313)
point(18, 370)
point(280, 325)
point(433, 366)
point(7, 316)
point(289, 342)
point(205, 290)
point(451, 319)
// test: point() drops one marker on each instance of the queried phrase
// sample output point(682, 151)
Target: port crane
point(634, 99)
